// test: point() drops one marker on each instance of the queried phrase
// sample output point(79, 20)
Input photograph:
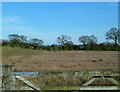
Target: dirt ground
point(65, 61)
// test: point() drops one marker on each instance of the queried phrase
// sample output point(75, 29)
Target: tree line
point(65, 43)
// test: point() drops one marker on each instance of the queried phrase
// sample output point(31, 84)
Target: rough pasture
point(61, 60)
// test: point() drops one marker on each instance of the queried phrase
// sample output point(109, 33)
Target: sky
point(48, 20)
point(60, 0)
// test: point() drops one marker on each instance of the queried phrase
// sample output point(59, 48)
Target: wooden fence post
point(8, 78)
point(0, 79)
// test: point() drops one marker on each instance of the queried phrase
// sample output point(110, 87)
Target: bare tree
point(88, 40)
point(92, 39)
point(118, 36)
point(84, 39)
point(69, 43)
point(114, 35)
point(63, 39)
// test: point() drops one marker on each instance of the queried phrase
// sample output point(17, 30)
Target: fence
point(9, 79)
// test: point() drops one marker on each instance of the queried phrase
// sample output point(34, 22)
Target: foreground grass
point(63, 83)
point(61, 88)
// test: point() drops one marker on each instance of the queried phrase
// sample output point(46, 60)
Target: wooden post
point(8, 78)
point(0, 79)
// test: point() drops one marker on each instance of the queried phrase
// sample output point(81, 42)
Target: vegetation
point(64, 40)
point(88, 40)
point(113, 34)
point(10, 51)
point(35, 42)
point(67, 82)
point(65, 43)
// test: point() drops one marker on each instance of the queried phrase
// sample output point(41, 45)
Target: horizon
point(47, 21)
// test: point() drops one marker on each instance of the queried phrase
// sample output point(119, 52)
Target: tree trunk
point(84, 45)
point(115, 43)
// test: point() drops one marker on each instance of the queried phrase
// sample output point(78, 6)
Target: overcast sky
point(47, 21)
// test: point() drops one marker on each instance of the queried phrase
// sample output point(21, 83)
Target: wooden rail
point(80, 73)
point(10, 77)
point(28, 83)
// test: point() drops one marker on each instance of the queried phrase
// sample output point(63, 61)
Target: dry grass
point(37, 60)
point(30, 60)
point(57, 81)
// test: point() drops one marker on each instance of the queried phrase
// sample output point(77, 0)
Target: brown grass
point(66, 81)
point(64, 61)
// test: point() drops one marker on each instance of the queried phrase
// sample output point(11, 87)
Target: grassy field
point(39, 60)
point(11, 51)
point(56, 61)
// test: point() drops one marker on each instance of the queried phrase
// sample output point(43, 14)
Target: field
point(57, 61)
point(40, 60)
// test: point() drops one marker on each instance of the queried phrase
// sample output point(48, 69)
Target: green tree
point(5, 42)
point(0, 42)
point(17, 40)
point(55, 47)
point(35, 42)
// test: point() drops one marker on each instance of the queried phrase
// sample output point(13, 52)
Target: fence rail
point(80, 73)
point(9, 79)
